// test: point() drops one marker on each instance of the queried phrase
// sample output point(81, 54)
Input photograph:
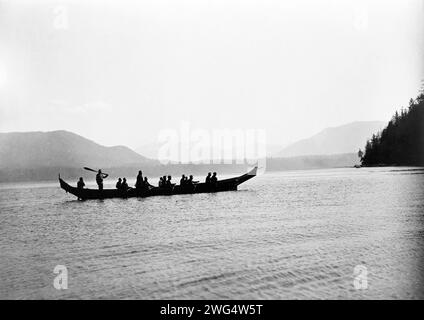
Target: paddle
point(89, 169)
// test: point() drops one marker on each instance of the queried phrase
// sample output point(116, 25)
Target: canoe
point(230, 184)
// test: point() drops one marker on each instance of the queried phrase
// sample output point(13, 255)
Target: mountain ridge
point(347, 138)
point(61, 148)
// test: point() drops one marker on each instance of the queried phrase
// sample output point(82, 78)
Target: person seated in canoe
point(119, 184)
point(168, 182)
point(160, 183)
point(99, 178)
point(190, 183)
point(80, 184)
point(214, 179)
point(190, 180)
point(124, 185)
point(182, 180)
point(146, 184)
point(208, 178)
point(139, 180)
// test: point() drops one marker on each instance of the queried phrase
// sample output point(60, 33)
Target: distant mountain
point(151, 150)
point(61, 149)
point(336, 140)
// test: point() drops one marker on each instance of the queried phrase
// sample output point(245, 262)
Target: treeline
point(402, 141)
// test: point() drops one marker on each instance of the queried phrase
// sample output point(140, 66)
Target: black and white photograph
point(212, 150)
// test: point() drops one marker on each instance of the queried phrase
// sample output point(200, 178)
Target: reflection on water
point(295, 234)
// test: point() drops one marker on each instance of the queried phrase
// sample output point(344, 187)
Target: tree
point(402, 141)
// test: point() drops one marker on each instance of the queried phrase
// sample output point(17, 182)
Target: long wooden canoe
point(222, 185)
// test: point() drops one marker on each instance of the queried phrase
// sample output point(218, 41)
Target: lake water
point(288, 235)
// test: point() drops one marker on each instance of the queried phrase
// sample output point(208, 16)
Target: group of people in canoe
point(140, 183)
point(143, 183)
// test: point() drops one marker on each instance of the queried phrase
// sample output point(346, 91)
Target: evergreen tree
point(402, 141)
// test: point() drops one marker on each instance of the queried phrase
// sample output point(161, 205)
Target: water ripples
point(289, 235)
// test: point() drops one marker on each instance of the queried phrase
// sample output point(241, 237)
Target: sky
point(121, 72)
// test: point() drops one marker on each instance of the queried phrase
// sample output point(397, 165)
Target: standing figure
point(139, 181)
point(99, 178)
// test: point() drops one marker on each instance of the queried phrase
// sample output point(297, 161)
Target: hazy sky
point(118, 72)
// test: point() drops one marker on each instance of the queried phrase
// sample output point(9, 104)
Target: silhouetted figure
point(124, 185)
point(168, 182)
point(190, 180)
point(160, 183)
point(80, 184)
point(208, 178)
point(146, 184)
point(182, 180)
point(99, 178)
point(119, 184)
point(214, 179)
point(139, 181)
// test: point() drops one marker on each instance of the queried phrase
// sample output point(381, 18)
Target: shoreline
point(155, 177)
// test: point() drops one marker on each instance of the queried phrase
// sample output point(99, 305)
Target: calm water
point(288, 235)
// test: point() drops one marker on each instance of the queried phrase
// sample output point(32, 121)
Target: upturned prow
point(253, 171)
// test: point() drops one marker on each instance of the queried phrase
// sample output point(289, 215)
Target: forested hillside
point(402, 141)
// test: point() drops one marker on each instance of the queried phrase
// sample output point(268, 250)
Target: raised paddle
point(89, 169)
